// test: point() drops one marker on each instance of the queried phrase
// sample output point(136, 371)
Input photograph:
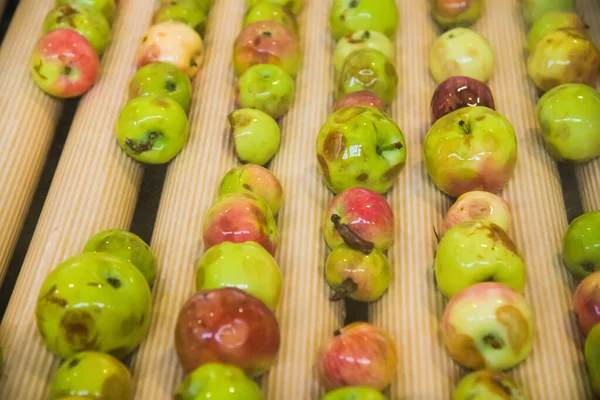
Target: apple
point(359, 354)
point(64, 64)
point(293, 5)
point(488, 325)
point(238, 218)
point(246, 266)
point(218, 381)
point(360, 147)
point(356, 274)
point(535, 9)
point(374, 15)
point(164, 80)
point(152, 130)
point(461, 52)
point(569, 117)
point(255, 179)
point(354, 393)
point(364, 98)
point(592, 358)
point(368, 69)
point(477, 251)
point(97, 375)
point(473, 148)
point(459, 92)
point(564, 56)
point(266, 42)
point(175, 43)
point(227, 326)
point(95, 302)
point(267, 88)
point(488, 384)
point(479, 205)
point(186, 12)
point(256, 135)
point(107, 7)
point(586, 302)
point(269, 11)
point(360, 40)
point(85, 20)
point(360, 218)
point(581, 245)
point(127, 246)
point(551, 22)
point(456, 13)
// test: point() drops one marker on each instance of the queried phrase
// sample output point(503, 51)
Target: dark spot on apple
point(193, 62)
point(498, 381)
point(139, 146)
point(353, 4)
point(362, 177)
point(142, 319)
point(161, 102)
point(67, 70)
point(389, 69)
point(114, 282)
point(257, 41)
point(480, 118)
point(588, 266)
point(337, 332)
point(342, 17)
point(451, 36)
point(113, 388)
point(493, 341)
point(129, 324)
point(334, 145)
point(516, 326)
point(38, 70)
point(52, 298)
point(74, 362)
point(78, 327)
point(247, 187)
point(348, 286)
point(267, 34)
point(96, 284)
point(171, 86)
point(392, 173)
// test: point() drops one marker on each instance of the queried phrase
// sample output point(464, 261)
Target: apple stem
point(347, 286)
point(139, 146)
point(350, 238)
point(392, 146)
point(465, 126)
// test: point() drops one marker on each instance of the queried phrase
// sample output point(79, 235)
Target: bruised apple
point(479, 205)
point(488, 384)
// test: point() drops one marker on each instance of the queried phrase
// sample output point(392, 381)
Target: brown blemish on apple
point(113, 388)
point(516, 326)
point(588, 266)
point(38, 70)
point(392, 173)
point(78, 327)
point(239, 120)
point(247, 187)
point(334, 145)
point(129, 324)
point(496, 383)
point(324, 168)
point(161, 102)
point(463, 349)
point(389, 69)
point(74, 362)
point(362, 177)
point(497, 234)
point(50, 297)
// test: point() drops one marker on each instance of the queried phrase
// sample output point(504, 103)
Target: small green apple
point(125, 245)
point(535, 9)
point(267, 88)
point(268, 11)
point(456, 13)
point(354, 393)
point(246, 266)
point(592, 358)
point(107, 7)
point(488, 384)
point(293, 5)
point(566, 55)
point(252, 178)
point(569, 117)
point(96, 302)
point(360, 40)
point(461, 51)
point(184, 11)
point(581, 245)
point(86, 20)
point(219, 382)
point(551, 22)
point(360, 147)
point(477, 251)
point(256, 135)
point(152, 130)
point(92, 374)
point(162, 79)
point(348, 16)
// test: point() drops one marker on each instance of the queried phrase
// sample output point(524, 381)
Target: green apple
point(246, 266)
point(551, 22)
point(581, 245)
point(293, 5)
point(472, 148)
point(256, 135)
point(83, 19)
point(592, 358)
point(461, 52)
point(183, 11)
point(164, 80)
point(356, 275)
point(92, 374)
point(456, 13)
point(95, 302)
point(268, 11)
point(267, 88)
point(348, 16)
point(535, 9)
point(360, 40)
point(125, 245)
point(252, 178)
point(477, 251)
point(362, 147)
point(152, 129)
point(107, 7)
point(569, 117)
point(488, 384)
point(354, 393)
point(219, 382)
point(566, 55)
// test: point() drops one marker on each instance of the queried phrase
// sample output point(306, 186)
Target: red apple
point(458, 92)
point(587, 302)
point(361, 218)
point(227, 326)
point(360, 98)
point(266, 42)
point(478, 205)
point(64, 64)
point(240, 217)
point(358, 355)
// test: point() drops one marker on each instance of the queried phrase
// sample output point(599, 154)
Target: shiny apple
point(458, 92)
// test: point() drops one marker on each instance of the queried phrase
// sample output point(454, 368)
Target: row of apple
point(66, 60)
